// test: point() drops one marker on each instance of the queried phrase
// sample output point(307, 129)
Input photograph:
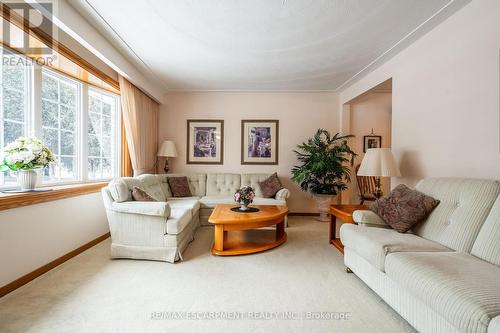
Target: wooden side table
point(343, 212)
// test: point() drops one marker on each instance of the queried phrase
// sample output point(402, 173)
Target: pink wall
point(300, 114)
point(445, 116)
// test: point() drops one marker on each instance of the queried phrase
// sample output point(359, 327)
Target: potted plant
point(324, 169)
point(26, 155)
point(244, 196)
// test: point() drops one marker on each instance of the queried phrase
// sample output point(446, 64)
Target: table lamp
point(379, 162)
point(167, 150)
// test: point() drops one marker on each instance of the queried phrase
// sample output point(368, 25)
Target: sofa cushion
point(404, 207)
point(121, 188)
point(374, 244)
point(192, 203)
point(270, 186)
point(151, 184)
point(197, 183)
point(178, 220)
point(179, 187)
point(211, 202)
point(494, 325)
point(268, 201)
point(223, 184)
point(151, 208)
point(463, 208)
point(461, 288)
point(487, 244)
point(252, 180)
point(140, 195)
point(368, 218)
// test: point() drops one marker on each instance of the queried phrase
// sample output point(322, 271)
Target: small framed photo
point(259, 142)
point(205, 141)
point(372, 141)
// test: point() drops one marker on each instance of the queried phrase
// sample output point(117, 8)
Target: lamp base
point(378, 188)
point(166, 168)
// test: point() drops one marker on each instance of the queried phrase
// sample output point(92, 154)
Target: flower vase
point(243, 206)
point(27, 179)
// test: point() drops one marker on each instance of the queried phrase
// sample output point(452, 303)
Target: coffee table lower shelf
point(249, 241)
point(338, 244)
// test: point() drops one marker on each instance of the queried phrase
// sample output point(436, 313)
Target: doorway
point(369, 118)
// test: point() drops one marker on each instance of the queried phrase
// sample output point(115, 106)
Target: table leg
point(333, 228)
point(280, 229)
point(219, 237)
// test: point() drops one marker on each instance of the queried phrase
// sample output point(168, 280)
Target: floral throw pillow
point(140, 195)
point(270, 186)
point(404, 207)
point(179, 187)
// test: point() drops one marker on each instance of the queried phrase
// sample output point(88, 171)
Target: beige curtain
point(140, 117)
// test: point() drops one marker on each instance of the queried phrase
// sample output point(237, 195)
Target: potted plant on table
point(244, 196)
point(325, 167)
point(26, 156)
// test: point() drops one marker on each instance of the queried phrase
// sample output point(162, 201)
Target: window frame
point(115, 134)
point(78, 127)
point(33, 122)
point(28, 102)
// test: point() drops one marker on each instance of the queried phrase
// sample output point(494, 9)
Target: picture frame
point(371, 141)
point(259, 142)
point(205, 141)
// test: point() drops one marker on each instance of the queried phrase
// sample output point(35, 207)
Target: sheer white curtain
point(140, 117)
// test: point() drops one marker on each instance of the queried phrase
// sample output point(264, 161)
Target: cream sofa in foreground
point(162, 230)
point(444, 276)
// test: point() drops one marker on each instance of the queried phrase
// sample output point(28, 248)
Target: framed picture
point(205, 141)
point(371, 141)
point(259, 141)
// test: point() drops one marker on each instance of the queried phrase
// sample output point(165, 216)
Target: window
point(60, 125)
point(79, 123)
point(14, 93)
point(101, 134)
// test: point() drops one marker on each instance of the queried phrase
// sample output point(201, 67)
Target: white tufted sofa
point(444, 275)
point(162, 230)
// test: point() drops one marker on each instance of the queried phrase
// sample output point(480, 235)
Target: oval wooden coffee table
point(239, 233)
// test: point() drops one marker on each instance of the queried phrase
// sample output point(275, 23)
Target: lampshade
point(379, 162)
point(167, 149)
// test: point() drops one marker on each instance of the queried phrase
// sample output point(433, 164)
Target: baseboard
point(45, 268)
point(303, 214)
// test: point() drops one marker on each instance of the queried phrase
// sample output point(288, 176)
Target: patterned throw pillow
point(140, 195)
point(404, 207)
point(179, 186)
point(270, 186)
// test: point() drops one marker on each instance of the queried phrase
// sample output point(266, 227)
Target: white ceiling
point(288, 45)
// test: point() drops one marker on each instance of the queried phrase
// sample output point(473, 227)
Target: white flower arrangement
point(26, 154)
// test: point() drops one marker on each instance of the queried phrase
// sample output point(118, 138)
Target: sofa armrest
point(282, 194)
point(369, 219)
point(150, 208)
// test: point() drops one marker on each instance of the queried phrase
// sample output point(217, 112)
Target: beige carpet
point(92, 293)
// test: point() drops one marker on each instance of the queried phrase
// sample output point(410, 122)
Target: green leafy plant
point(325, 163)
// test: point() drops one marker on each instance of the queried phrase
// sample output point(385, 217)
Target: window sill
point(16, 200)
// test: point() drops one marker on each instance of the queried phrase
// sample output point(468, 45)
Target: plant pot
point(27, 179)
point(244, 206)
point(323, 201)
